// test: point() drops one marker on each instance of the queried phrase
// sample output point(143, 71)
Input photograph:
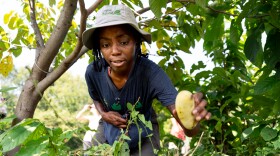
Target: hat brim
point(87, 40)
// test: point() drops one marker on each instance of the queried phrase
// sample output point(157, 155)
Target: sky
point(27, 56)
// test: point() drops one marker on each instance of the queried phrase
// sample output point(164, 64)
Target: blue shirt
point(146, 82)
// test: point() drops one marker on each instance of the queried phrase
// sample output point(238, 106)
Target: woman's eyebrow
point(118, 36)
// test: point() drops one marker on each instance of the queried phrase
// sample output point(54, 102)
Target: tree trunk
point(27, 102)
point(26, 106)
point(40, 78)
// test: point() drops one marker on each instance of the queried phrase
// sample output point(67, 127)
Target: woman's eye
point(124, 43)
point(105, 45)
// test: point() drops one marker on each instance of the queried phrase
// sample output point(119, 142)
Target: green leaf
point(17, 134)
point(276, 108)
point(181, 19)
point(66, 135)
point(235, 32)
point(215, 29)
point(52, 2)
point(156, 6)
point(125, 137)
point(246, 133)
point(195, 67)
point(16, 51)
point(264, 85)
point(220, 72)
point(127, 2)
point(276, 143)
point(246, 9)
point(176, 4)
point(129, 106)
point(253, 49)
point(115, 2)
point(8, 119)
point(183, 43)
point(268, 133)
point(7, 89)
point(7, 17)
point(37, 133)
point(124, 150)
point(272, 49)
point(201, 3)
point(194, 9)
point(202, 74)
point(218, 126)
point(263, 105)
point(12, 23)
point(34, 147)
point(142, 118)
point(155, 24)
point(146, 123)
point(179, 63)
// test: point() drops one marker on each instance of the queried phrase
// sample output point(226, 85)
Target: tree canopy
point(240, 37)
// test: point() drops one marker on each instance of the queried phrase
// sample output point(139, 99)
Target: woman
point(121, 75)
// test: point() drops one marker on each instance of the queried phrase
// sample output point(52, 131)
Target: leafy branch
point(120, 146)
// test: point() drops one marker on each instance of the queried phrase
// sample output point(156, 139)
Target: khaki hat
point(110, 15)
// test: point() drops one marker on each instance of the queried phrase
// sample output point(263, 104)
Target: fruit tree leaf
point(156, 7)
point(268, 133)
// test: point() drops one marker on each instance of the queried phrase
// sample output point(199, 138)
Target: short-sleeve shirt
point(146, 82)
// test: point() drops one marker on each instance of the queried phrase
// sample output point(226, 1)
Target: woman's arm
point(111, 117)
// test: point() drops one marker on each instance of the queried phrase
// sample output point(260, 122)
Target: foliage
point(240, 37)
point(35, 139)
point(65, 93)
point(120, 146)
point(62, 101)
point(53, 141)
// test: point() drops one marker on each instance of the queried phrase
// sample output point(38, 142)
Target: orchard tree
point(240, 37)
point(50, 40)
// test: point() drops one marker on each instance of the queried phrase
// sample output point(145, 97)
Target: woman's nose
point(115, 49)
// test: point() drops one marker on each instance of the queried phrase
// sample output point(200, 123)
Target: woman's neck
point(118, 78)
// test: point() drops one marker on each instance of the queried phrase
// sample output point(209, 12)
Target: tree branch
point(93, 7)
point(37, 32)
point(49, 52)
point(224, 12)
point(219, 11)
point(79, 50)
point(64, 66)
point(143, 10)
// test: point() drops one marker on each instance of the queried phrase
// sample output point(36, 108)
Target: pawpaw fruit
point(184, 106)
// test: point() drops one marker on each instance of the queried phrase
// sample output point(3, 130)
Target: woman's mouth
point(117, 63)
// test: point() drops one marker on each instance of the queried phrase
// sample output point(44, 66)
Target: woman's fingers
point(197, 97)
point(199, 107)
point(208, 115)
point(199, 111)
point(116, 119)
point(201, 115)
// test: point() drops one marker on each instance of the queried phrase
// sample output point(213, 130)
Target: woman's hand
point(115, 119)
point(199, 111)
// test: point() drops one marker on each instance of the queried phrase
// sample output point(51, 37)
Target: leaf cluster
point(241, 39)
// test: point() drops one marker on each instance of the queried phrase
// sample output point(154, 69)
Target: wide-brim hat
point(110, 15)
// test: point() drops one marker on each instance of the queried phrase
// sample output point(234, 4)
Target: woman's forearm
point(100, 108)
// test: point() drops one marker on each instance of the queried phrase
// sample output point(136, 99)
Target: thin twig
point(196, 145)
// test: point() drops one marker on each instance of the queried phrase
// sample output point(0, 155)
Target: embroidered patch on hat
point(111, 12)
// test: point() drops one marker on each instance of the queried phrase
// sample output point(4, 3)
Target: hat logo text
point(111, 12)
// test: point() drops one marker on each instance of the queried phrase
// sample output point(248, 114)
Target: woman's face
point(117, 45)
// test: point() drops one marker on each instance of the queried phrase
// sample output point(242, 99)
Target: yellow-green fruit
point(184, 106)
